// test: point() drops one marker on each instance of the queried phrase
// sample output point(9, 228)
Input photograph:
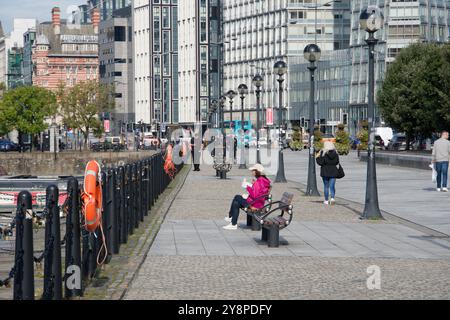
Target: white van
point(385, 133)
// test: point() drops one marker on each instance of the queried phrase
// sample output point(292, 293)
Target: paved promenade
point(324, 254)
point(407, 193)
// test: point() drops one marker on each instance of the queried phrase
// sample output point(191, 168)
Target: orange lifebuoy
point(92, 196)
point(169, 167)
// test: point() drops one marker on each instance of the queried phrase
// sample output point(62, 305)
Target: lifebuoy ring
point(155, 142)
point(169, 167)
point(92, 196)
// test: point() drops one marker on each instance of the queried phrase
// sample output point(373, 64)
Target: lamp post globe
point(243, 91)
point(280, 68)
point(371, 19)
point(258, 82)
point(312, 53)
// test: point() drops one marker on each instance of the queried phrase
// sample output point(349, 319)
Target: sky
point(32, 9)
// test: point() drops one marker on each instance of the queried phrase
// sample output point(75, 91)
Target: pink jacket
point(260, 188)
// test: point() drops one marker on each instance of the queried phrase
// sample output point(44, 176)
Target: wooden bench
point(254, 215)
point(271, 225)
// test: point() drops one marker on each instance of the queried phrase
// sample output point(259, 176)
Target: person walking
point(440, 157)
point(328, 160)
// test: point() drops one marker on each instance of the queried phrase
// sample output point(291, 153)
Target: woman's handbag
point(341, 173)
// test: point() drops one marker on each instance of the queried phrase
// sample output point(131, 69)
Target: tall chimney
point(56, 20)
point(95, 19)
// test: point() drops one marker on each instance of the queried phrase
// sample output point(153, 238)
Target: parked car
point(7, 145)
point(379, 143)
point(397, 143)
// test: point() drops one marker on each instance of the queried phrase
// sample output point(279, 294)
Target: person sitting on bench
point(256, 193)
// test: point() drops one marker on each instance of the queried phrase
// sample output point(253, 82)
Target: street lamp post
point(231, 94)
point(243, 91)
point(280, 68)
point(258, 82)
point(371, 19)
point(223, 173)
point(312, 54)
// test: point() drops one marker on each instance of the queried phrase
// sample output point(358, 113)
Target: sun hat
point(258, 167)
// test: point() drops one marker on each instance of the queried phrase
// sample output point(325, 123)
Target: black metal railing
point(129, 193)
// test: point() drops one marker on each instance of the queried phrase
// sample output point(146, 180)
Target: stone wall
point(399, 159)
point(66, 163)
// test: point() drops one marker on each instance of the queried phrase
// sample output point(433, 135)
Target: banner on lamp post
point(106, 126)
point(269, 116)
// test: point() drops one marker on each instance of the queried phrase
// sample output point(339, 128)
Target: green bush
point(363, 137)
point(297, 140)
point(318, 143)
point(343, 144)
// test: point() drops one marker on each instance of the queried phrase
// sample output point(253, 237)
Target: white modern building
point(155, 32)
point(260, 32)
point(198, 58)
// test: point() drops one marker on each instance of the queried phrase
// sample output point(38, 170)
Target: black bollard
point(141, 191)
point(149, 186)
point(52, 257)
point(72, 287)
point(24, 259)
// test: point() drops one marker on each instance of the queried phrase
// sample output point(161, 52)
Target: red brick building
point(65, 52)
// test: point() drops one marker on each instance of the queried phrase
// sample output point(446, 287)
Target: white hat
point(257, 167)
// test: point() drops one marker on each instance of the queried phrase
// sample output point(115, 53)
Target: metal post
point(113, 246)
point(371, 209)
point(106, 217)
point(73, 246)
point(243, 164)
point(52, 267)
point(141, 191)
point(24, 259)
point(311, 189)
point(223, 174)
point(280, 178)
point(258, 106)
point(123, 206)
point(130, 202)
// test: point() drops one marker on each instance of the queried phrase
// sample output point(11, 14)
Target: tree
point(81, 105)
point(343, 143)
point(26, 109)
point(297, 140)
point(443, 107)
point(413, 91)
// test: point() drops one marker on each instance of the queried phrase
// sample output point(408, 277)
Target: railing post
point(130, 199)
point(136, 192)
point(73, 253)
point(106, 218)
point(52, 253)
point(24, 259)
point(113, 235)
point(149, 186)
point(123, 207)
point(141, 191)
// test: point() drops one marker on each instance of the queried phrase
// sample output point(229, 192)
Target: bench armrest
point(281, 208)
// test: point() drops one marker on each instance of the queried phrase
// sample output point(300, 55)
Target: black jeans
point(238, 203)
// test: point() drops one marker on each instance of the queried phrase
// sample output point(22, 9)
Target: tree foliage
point(414, 97)
point(297, 139)
point(81, 105)
point(26, 109)
point(318, 142)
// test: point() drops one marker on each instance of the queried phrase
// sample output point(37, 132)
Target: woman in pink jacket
point(259, 188)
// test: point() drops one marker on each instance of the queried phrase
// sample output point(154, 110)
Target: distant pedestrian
point(196, 151)
point(441, 156)
point(328, 160)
